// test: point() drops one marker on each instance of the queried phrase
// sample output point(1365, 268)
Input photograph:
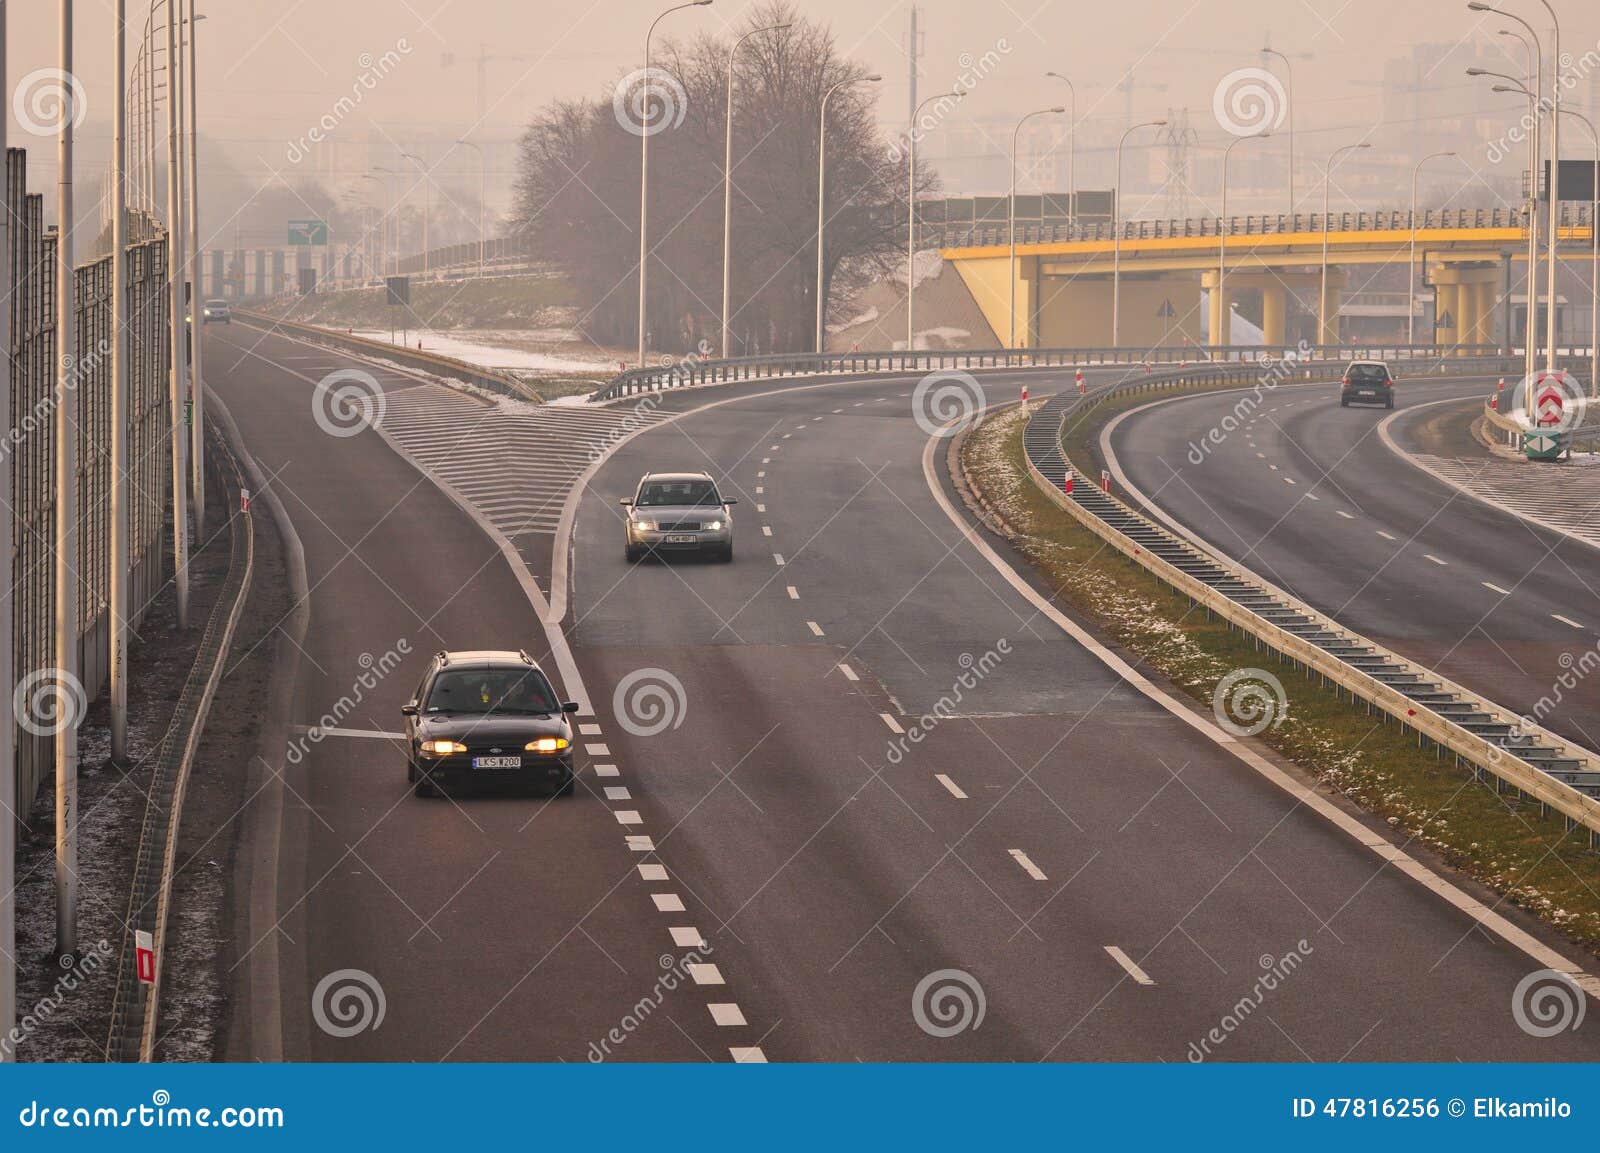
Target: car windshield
point(483, 692)
point(695, 493)
point(1364, 373)
point(216, 304)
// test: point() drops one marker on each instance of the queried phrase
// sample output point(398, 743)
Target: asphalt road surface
point(1053, 846)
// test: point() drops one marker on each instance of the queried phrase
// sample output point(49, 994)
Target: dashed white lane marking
point(372, 734)
point(761, 475)
point(1027, 864)
point(816, 629)
point(628, 817)
point(836, 412)
point(667, 902)
point(1494, 588)
point(726, 1013)
point(1290, 480)
point(652, 872)
point(1386, 536)
point(606, 771)
point(794, 593)
point(705, 973)
point(618, 793)
point(777, 559)
point(1273, 467)
point(766, 530)
point(858, 404)
point(1344, 514)
point(894, 725)
point(1261, 455)
point(1566, 620)
point(849, 673)
point(1127, 963)
point(1312, 496)
point(760, 507)
point(786, 436)
point(1430, 557)
point(747, 1055)
point(588, 730)
point(774, 448)
point(950, 786)
point(761, 490)
point(597, 750)
point(687, 937)
point(638, 843)
point(766, 460)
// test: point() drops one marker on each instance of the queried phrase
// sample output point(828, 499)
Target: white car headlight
point(645, 525)
point(714, 525)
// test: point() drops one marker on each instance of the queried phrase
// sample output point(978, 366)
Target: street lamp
point(197, 392)
point(1072, 151)
point(1327, 181)
point(1116, 231)
point(1011, 276)
point(822, 184)
point(483, 192)
point(911, 216)
point(427, 208)
point(644, 172)
point(1411, 290)
point(727, 185)
point(1289, 92)
point(1594, 256)
point(1224, 314)
point(383, 222)
point(1536, 111)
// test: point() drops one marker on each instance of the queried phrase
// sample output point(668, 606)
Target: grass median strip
point(1498, 839)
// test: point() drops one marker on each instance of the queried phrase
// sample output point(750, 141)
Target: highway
point(1114, 883)
point(1308, 495)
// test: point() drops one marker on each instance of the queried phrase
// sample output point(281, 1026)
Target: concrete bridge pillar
point(1274, 313)
point(1446, 311)
point(1328, 307)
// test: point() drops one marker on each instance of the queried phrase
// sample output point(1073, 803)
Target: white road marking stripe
point(726, 1014)
point(816, 629)
point(1127, 963)
point(894, 725)
point(849, 673)
point(606, 771)
point(641, 844)
point(1385, 535)
point(373, 734)
point(618, 793)
point(652, 872)
point(597, 750)
point(760, 507)
point(761, 475)
point(667, 902)
point(588, 730)
point(761, 490)
point(950, 786)
point(766, 530)
point(777, 559)
point(1312, 496)
point(1430, 557)
point(1566, 620)
point(687, 937)
point(747, 1055)
point(1494, 588)
point(1290, 480)
point(794, 593)
point(1344, 514)
point(766, 460)
point(628, 817)
point(705, 973)
point(774, 448)
point(1027, 864)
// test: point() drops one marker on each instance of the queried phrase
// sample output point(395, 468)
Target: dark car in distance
point(1369, 381)
point(487, 716)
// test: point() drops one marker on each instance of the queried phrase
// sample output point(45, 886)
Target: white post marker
point(144, 956)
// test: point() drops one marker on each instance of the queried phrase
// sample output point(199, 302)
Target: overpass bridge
point(1063, 274)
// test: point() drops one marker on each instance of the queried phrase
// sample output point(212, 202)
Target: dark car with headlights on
point(678, 512)
point(487, 716)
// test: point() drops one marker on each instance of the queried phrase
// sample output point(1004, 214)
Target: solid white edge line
point(1130, 965)
point(1490, 920)
point(894, 725)
point(950, 786)
point(1027, 864)
point(849, 673)
point(1566, 620)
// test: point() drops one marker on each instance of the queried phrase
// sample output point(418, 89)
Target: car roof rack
point(526, 659)
point(443, 657)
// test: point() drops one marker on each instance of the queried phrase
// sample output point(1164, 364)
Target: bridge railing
point(997, 232)
point(690, 371)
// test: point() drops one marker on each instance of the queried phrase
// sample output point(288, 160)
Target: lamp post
point(427, 208)
point(727, 188)
point(8, 761)
point(178, 381)
point(1072, 151)
point(822, 186)
point(383, 222)
point(197, 395)
point(1011, 275)
point(1411, 290)
point(645, 132)
point(1289, 72)
point(911, 216)
point(1116, 231)
point(1327, 181)
point(483, 192)
point(1594, 256)
point(1530, 352)
point(1224, 314)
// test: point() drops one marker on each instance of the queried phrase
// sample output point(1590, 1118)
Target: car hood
point(490, 729)
point(681, 512)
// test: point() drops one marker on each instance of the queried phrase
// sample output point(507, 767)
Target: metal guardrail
point(676, 373)
point(134, 1009)
point(1484, 738)
point(991, 233)
point(421, 361)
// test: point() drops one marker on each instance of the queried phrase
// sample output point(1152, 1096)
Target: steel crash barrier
point(691, 371)
point(30, 451)
point(1484, 738)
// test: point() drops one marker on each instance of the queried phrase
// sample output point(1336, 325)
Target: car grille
point(680, 526)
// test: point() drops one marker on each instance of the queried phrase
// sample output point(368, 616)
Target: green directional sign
point(308, 233)
point(1542, 444)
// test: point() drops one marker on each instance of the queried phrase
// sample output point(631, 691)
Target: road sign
point(1166, 310)
point(1537, 445)
point(1446, 320)
point(308, 282)
point(144, 956)
point(1550, 405)
point(308, 233)
point(399, 291)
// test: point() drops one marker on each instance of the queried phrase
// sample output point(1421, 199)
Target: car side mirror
point(569, 706)
point(731, 500)
point(625, 501)
point(410, 709)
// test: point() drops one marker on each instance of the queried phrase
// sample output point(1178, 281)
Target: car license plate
point(497, 762)
point(682, 538)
